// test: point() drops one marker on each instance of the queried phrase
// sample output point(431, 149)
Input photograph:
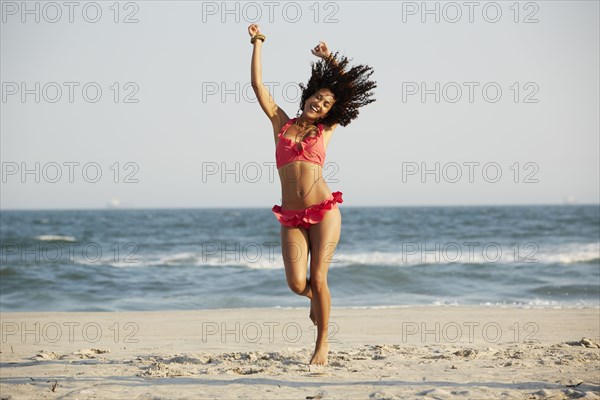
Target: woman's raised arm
point(260, 90)
point(321, 50)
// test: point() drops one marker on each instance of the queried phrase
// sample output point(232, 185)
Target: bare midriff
point(302, 185)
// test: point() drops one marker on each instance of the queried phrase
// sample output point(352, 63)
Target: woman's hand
point(254, 30)
point(321, 50)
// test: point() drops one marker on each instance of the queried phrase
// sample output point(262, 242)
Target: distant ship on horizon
point(115, 203)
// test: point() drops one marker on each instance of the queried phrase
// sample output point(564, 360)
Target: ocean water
point(109, 260)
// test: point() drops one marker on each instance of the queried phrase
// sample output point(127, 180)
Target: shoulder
point(328, 129)
point(327, 133)
point(279, 120)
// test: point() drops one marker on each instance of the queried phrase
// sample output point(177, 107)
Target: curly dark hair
point(351, 89)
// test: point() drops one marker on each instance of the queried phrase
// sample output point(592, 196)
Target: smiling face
point(318, 105)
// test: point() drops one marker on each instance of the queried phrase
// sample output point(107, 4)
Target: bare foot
point(312, 313)
point(320, 355)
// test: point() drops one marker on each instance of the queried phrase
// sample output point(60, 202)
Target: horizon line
point(268, 207)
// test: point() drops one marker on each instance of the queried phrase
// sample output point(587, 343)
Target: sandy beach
point(376, 353)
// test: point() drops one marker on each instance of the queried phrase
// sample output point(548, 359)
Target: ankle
point(322, 339)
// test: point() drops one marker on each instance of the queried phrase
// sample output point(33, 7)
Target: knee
point(298, 287)
point(318, 282)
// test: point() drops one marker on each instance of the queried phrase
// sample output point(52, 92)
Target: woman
point(309, 216)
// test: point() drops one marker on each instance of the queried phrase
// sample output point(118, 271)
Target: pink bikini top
point(311, 149)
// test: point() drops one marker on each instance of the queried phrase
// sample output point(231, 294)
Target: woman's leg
point(294, 249)
point(323, 238)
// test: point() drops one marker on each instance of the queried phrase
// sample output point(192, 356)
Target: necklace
point(302, 129)
point(302, 125)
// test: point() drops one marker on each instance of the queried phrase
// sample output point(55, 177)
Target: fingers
point(322, 46)
point(320, 49)
point(254, 29)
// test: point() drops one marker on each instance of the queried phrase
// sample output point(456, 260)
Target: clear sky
point(158, 111)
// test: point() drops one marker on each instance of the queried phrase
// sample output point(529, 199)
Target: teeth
point(314, 109)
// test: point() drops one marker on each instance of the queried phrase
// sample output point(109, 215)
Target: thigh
point(323, 239)
point(294, 249)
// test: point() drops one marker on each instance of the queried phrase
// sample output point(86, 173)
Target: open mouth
point(314, 109)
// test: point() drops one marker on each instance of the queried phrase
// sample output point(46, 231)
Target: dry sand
point(387, 353)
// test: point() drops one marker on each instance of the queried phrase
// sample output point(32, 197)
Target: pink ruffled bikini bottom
point(309, 216)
